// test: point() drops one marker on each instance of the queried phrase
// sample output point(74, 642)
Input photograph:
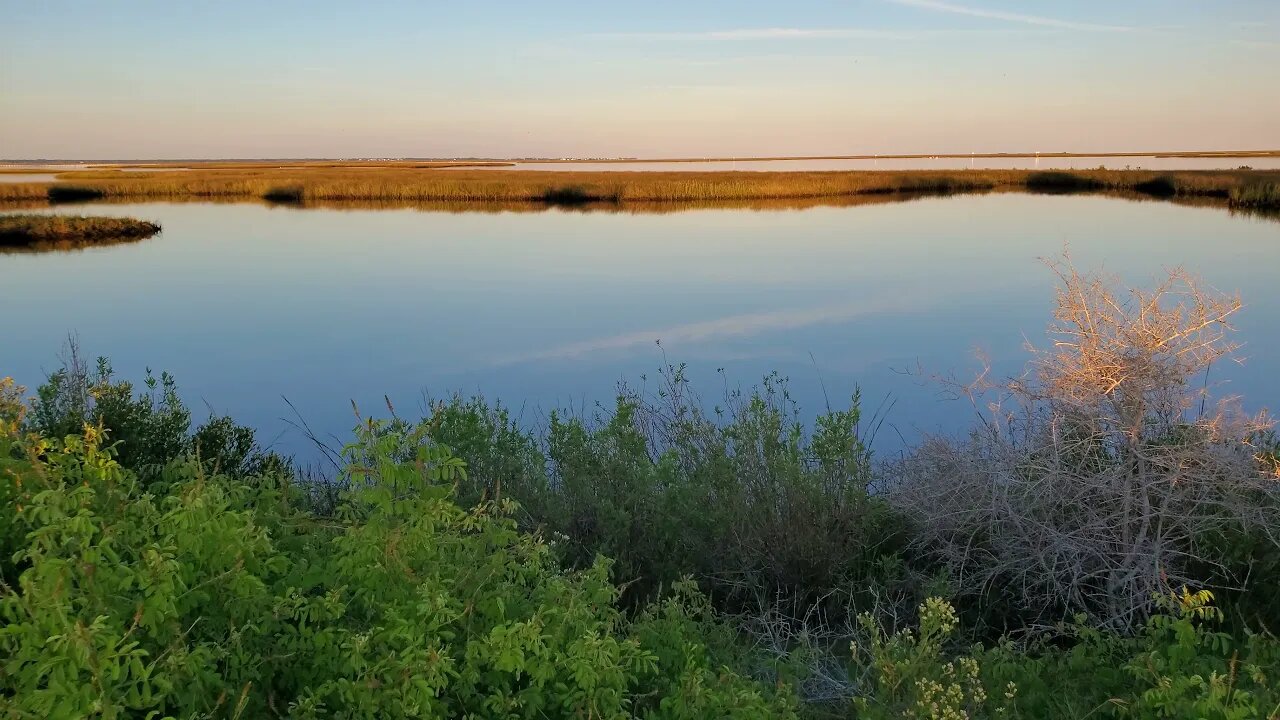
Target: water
point(27, 177)
point(1031, 163)
point(52, 175)
point(248, 304)
point(51, 167)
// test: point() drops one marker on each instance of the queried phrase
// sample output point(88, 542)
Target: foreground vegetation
point(320, 183)
point(1101, 547)
point(36, 229)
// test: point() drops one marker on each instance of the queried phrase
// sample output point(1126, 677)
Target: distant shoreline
point(924, 156)
point(688, 159)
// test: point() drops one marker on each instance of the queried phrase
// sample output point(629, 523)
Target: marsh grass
point(315, 184)
point(1057, 181)
point(22, 192)
point(1259, 196)
point(31, 229)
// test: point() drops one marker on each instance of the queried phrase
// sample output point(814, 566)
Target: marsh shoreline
point(35, 231)
point(303, 185)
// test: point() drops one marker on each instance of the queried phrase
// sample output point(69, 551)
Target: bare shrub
point(1103, 475)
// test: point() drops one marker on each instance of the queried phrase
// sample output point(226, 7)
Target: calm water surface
point(27, 177)
point(248, 304)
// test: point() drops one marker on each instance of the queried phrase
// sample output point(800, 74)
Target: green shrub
point(1178, 666)
point(210, 596)
point(742, 498)
point(503, 460)
point(911, 677)
point(14, 464)
point(149, 428)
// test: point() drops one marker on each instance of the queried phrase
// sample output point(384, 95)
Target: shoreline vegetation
point(40, 231)
point(1104, 550)
point(301, 184)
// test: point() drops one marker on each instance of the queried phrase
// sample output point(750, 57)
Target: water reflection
point(630, 207)
point(67, 246)
point(545, 308)
point(730, 327)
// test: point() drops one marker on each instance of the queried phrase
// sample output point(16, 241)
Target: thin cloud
point(1009, 16)
point(765, 34)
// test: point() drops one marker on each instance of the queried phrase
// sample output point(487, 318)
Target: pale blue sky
point(155, 79)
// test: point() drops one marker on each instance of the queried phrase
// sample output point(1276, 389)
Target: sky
point(150, 79)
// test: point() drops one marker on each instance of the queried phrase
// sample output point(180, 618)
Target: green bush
point(200, 594)
point(148, 429)
point(911, 678)
point(742, 497)
point(1180, 665)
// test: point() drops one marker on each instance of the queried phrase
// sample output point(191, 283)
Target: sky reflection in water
point(248, 304)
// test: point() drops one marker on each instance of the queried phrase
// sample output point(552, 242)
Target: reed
point(33, 229)
point(1262, 196)
point(1056, 181)
point(308, 184)
point(11, 192)
point(312, 184)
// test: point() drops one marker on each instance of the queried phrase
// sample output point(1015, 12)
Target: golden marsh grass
point(315, 183)
point(33, 229)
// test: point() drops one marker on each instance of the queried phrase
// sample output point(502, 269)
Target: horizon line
point(1236, 153)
